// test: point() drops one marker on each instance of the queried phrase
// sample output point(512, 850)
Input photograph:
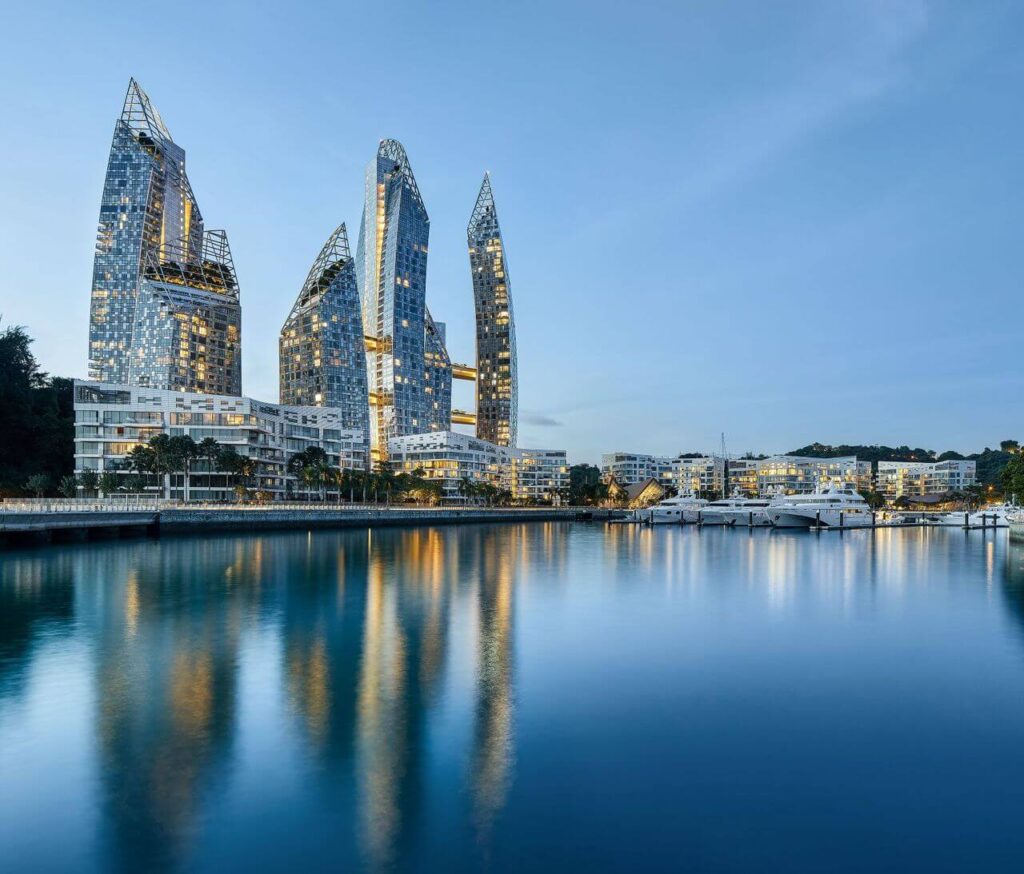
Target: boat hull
point(744, 518)
point(795, 518)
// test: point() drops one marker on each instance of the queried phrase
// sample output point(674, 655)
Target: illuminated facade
point(496, 380)
point(111, 420)
point(793, 474)
point(915, 479)
point(187, 327)
point(630, 467)
point(147, 206)
point(437, 376)
point(536, 476)
point(530, 475)
point(321, 347)
point(701, 476)
point(391, 272)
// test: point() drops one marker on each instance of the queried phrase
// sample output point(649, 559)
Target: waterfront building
point(700, 476)
point(148, 217)
point(391, 272)
point(535, 476)
point(496, 379)
point(915, 479)
point(792, 474)
point(321, 348)
point(111, 420)
point(188, 320)
point(530, 475)
point(630, 467)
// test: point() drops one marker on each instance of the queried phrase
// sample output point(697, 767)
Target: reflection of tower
point(403, 653)
point(166, 656)
point(493, 736)
point(322, 621)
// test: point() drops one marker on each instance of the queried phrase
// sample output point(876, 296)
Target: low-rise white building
point(794, 474)
point(629, 467)
point(700, 476)
point(915, 479)
point(111, 420)
point(536, 476)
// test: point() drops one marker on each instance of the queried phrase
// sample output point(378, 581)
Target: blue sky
point(787, 221)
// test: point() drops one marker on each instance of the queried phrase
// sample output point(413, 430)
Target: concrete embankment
point(42, 526)
point(189, 521)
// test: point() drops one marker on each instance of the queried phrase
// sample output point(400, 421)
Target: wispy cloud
point(540, 420)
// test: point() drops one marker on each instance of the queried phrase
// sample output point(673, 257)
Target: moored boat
point(832, 507)
point(737, 510)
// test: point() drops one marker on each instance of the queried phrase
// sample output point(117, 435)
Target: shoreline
point(42, 528)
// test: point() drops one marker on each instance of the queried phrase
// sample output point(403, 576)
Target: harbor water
point(543, 696)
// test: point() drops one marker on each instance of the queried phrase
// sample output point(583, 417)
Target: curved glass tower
point(147, 209)
point(187, 329)
point(392, 274)
point(322, 356)
point(496, 378)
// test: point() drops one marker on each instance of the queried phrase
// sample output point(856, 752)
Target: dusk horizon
point(705, 233)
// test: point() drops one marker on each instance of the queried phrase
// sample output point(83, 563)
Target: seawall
point(68, 523)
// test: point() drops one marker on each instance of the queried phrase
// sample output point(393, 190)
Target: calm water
point(515, 697)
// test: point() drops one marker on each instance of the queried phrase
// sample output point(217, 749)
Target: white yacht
point(671, 511)
point(989, 516)
point(1015, 518)
point(832, 506)
point(737, 510)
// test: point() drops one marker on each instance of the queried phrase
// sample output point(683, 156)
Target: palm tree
point(89, 481)
point(311, 456)
point(140, 460)
point(108, 483)
point(38, 483)
point(466, 488)
point(386, 478)
point(208, 449)
point(183, 451)
point(163, 461)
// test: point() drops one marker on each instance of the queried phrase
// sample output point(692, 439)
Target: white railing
point(151, 503)
point(131, 503)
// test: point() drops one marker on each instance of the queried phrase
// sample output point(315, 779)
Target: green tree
point(207, 450)
point(68, 486)
point(109, 482)
point(183, 451)
point(37, 484)
point(875, 500)
point(89, 481)
point(1013, 477)
point(36, 411)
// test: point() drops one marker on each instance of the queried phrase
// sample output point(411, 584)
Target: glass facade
point(391, 271)
point(496, 377)
point(187, 329)
point(437, 376)
point(147, 203)
point(322, 353)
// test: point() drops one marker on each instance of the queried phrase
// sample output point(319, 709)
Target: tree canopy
point(37, 420)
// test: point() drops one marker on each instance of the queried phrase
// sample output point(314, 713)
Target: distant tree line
point(989, 463)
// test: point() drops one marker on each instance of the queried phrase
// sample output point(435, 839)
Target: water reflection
point(392, 647)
